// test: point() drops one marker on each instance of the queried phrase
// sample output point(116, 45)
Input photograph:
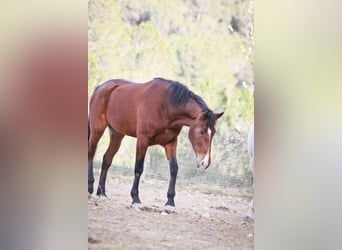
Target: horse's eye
point(201, 132)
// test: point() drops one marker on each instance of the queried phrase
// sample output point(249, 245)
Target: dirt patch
point(200, 221)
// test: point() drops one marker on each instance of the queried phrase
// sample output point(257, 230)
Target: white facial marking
point(209, 133)
point(205, 161)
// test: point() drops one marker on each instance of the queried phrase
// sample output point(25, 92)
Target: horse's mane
point(180, 95)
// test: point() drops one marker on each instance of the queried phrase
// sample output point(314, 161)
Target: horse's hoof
point(102, 198)
point(248, 219)
point(137, 205)
point(169, 209)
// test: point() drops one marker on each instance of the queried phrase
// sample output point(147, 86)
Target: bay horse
point(154, 112)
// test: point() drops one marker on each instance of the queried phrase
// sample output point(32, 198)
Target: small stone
point(206, 215)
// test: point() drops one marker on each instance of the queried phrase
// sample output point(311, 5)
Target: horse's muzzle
point(203, 164)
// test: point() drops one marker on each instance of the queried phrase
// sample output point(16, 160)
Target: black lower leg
point(90, 177)
point(139, 168)
point(172, 184)
point(101, 190)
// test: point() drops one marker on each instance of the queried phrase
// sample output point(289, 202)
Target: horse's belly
point(123, 126)
point(121, 113)
point(122, 122)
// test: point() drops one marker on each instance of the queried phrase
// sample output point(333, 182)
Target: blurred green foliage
point(206, 45)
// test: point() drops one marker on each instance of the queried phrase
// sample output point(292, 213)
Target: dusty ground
point(205, 218)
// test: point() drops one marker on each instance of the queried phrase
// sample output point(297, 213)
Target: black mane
point(180, 95)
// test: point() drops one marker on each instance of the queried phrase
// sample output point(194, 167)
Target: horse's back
point(128, 102)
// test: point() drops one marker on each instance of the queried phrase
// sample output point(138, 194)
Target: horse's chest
point(165, 136)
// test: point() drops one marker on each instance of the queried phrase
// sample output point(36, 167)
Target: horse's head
point(201, 134)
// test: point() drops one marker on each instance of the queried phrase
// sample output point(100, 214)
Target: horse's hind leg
point(114, 145)
point(142, 144)
point(95, 134)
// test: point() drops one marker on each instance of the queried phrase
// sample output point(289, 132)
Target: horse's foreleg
point(142, 145)
point(114, 145)
point(170, 150)
point(172, 183)
point(92, 144)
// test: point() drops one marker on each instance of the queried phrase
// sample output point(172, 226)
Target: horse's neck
point(182, 121)
point(186, 116)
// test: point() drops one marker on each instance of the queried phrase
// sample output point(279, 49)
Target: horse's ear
point(218, 115)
